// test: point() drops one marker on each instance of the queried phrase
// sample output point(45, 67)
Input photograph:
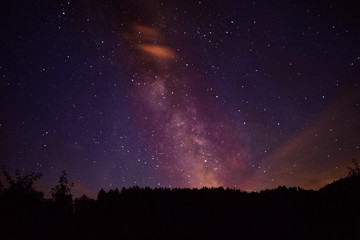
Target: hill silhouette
point(348, 185)
point(161, 213)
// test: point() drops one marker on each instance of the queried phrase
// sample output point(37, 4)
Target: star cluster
point(242, 94)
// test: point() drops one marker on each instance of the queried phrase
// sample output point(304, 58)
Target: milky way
point(191, 141)
point(243, 94)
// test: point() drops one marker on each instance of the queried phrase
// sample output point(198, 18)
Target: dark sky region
point(241, 94)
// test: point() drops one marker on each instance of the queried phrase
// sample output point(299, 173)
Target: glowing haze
point(192, 147)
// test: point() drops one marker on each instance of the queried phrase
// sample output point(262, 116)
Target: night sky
point(240, 94)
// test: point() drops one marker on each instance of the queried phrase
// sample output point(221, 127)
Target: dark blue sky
point(246, 94)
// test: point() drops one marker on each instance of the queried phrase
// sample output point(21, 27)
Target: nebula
point(193, 145)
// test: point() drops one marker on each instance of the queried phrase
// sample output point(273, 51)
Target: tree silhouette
point(333, 211)
point(61, 193)
point(83, 204)
point(101, 195)
point(20, 186)
point(355, 169)
point(20, 204)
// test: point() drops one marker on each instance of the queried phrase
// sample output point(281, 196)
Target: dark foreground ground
point(283, 213)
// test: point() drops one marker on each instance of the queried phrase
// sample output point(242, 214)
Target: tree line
point(207, 213)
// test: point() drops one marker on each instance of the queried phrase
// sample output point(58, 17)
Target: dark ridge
point(161, 213)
